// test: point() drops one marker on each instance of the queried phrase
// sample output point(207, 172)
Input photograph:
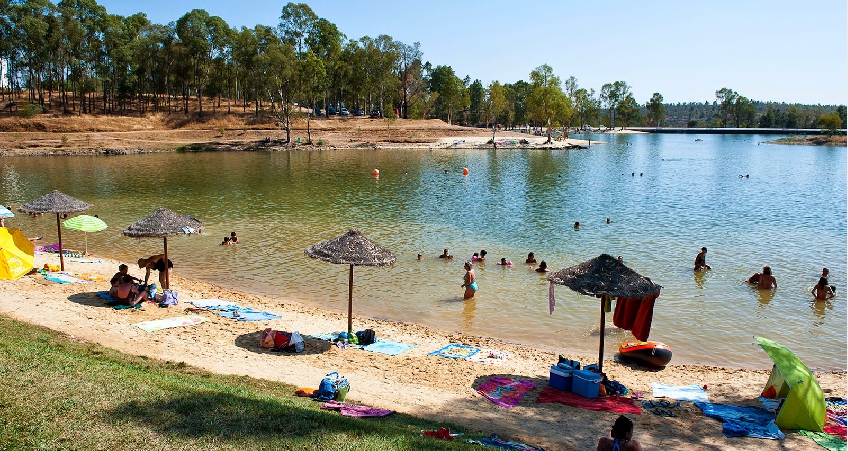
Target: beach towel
point(211, 303)
point(454, 351)
point(388, 347)
point(248, 314)
point(63, 277)
point(693, 392)
point(495, 442)
point(825, 440)
point(356, 411)
point(84, 260)
point(504, 391)
point(159, 324)
point(324, 336)
point(739, 421)
point(610, 403)
point(488, 356)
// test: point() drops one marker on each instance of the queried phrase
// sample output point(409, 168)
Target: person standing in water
point(822, 290)
point(469, 282)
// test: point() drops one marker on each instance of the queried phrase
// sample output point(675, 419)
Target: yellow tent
point(16, 253)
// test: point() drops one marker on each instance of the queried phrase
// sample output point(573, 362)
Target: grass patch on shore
point(819, 140)
point(56, 393)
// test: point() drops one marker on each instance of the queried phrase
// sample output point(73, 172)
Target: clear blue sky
point(776, 50)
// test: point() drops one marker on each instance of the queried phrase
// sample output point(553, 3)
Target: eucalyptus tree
point(205, 38)
point(378, 62)
point(547, 102)
point(612, 94)
point(453, 94)
point(6, 53)
point(494, 105)
point(30, 38)
point(245, 54)
point(476, 97)
point(81, 36)
point(409, 73)
point(278, 62)
point(656, 110)
point(297, 22)
point(743, 112)
point(726, 97)
point(313, 83)
point(325, 43)
point(156, 61)
point(516, 97)
point(587, 106)
point(629, 112)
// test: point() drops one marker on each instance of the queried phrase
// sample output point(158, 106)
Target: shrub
point(320, 142)
point(29, 110)
point(64, 139)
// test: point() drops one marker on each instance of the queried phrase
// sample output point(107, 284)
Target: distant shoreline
point(835, 141)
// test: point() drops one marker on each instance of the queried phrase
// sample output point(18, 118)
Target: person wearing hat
point(156, 262)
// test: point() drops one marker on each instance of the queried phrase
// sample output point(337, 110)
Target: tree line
point(75, 54)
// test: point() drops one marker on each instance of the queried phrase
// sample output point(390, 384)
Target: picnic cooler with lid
point(560, 378)
point(586, 383)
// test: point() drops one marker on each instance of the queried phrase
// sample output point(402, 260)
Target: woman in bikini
point(621, 437)
point(822, 290)
point(469, 281)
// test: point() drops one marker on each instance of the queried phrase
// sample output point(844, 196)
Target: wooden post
point(167, 279)
point(61, 253)
point(350, 301)
point(603, 326)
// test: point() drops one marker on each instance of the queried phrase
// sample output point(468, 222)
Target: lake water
point(666, 195)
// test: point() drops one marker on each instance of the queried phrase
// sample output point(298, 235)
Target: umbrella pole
point(603, 326)
point(61, 253)
point(350, 301)
point(85, 234)
point(167, 279)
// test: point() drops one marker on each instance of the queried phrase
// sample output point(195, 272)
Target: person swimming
point(543, 267)
point(504, 262)
point(445, 255)
point(531, 259)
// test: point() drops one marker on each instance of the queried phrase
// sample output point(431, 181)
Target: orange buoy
point(464, 171)
point(376, 172)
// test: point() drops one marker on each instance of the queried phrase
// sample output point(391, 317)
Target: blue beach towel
point(212, 304)
point(104, 295)
point(325, 336)
point(739, 421)
point(693, 392)
point(388, 347)
point(248, 314)
point(454, 351)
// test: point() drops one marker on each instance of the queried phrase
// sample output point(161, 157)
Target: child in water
point(503, 262)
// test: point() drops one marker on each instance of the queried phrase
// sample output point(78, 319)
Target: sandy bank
point(412, 382)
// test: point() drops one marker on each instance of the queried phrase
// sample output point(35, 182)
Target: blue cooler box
point(560, 378)
point(586, 383)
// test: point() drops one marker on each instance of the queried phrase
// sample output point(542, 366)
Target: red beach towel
point(635, 315)
point(611, 403)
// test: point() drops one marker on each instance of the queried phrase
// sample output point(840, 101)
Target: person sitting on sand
point(701, 260)
point(126, 292)
point(156, 262)
point(764, 280)
point(620, 438)
point(504, 262)
point(469, 281)
point(531, 259)
point(118, 278)
point(822, 290)
point(446, 255)
point(233, 238)
point(543, 267)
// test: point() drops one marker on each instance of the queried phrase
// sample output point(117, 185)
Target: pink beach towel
point(504, 391)
point(356, 411)
point(611, 403)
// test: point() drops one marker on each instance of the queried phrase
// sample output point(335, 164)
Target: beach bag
point(331, 386)
point(366, 337)
point(169, 298)
point(295, 343)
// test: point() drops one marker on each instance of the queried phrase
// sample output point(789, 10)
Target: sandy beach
point(412, 382)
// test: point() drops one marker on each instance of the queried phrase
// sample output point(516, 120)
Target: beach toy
point(464, 171)
point(649, 353)
point(376, 172)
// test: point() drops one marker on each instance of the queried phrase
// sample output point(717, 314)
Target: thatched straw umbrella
point(352, 249)
point(56, 202)
point(163, 223)
point(605, 277)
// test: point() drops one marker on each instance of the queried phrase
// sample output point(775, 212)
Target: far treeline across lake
point(77, 58)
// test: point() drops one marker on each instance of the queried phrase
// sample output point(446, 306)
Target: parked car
point(359, 112)
point(331, 111)
point(344, 112)
point(375, 114)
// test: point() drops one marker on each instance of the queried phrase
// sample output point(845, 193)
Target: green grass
point(59, 394)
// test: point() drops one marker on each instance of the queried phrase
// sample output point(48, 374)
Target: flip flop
point(648, 405)
point(663, 413)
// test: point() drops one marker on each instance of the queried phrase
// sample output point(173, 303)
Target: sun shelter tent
point(85, 224)
point(16, 253)
point(352, 249)
point(163, 223)
point(59, 203)
point(6, 213)
point(605, 277)
point(804, 405)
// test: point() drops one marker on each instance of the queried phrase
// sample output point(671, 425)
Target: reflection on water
point(819, 309)
point(512, 202)
point(764, 296)
point(699, 278)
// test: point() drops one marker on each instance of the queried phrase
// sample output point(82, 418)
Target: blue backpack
point(330, 386)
